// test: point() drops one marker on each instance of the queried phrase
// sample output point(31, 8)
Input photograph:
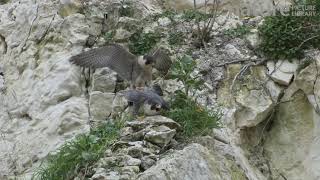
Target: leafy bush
point(194, 119)
point(76, 157)
point(239, 32)
point(183, 70)
point(287, 36)
point(141, 43)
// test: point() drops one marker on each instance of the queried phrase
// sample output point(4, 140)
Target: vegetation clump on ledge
point(78, 155)
point(287, 36)
point(195, 119)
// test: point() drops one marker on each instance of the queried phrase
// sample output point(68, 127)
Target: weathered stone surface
point(193, 162)
point(290, 145)
point(44, 92)
point(254, 107)
point(253, 39)
point(160, 135)
point(100, 105)
point(147, 162)
point(122, 34)
point(2, 86)
point(250, 101)
point(282, 71)
point(101, 174)
point(119, 103)
point(164, 21)
point(155, 121)
point(233, 51)
point(68, 7)
point(104, 80)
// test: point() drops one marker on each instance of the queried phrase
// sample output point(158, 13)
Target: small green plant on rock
point(238, 32)
point(141, 43)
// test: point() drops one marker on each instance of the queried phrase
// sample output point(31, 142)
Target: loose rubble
point(139, 147)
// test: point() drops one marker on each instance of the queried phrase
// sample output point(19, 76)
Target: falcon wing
point(135, 96)
point(163, 61)
point(113, 56)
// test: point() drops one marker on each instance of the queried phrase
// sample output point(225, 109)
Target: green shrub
point(77, 156)
point(194, 119)
point(288, 36)
point(141, 43)
point(239, 32)
point(183, 70)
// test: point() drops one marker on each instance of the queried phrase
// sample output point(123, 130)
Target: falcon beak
point(158, 107)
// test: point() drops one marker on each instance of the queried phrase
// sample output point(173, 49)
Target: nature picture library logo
point(299, 10)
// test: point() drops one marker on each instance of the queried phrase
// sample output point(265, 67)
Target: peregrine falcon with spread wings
point(135, 69)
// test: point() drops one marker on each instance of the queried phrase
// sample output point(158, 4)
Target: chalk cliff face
point(43, 97)
point(43, 103)
point(271, 117)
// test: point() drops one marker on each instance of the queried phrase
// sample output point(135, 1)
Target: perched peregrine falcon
point(136, 69)
point(137, 98)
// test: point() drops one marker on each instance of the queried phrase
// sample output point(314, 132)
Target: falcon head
point(158, 107)
point(149, 60)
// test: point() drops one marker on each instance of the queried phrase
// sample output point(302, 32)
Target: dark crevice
point(63, 98)
point(4, 45)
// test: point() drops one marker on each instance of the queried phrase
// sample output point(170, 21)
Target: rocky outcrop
point(250, 101)
point(292, 144)
point(193, 162)
point(146, 151)
point(282, 71)
point(140, 146)
point(280, 137)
